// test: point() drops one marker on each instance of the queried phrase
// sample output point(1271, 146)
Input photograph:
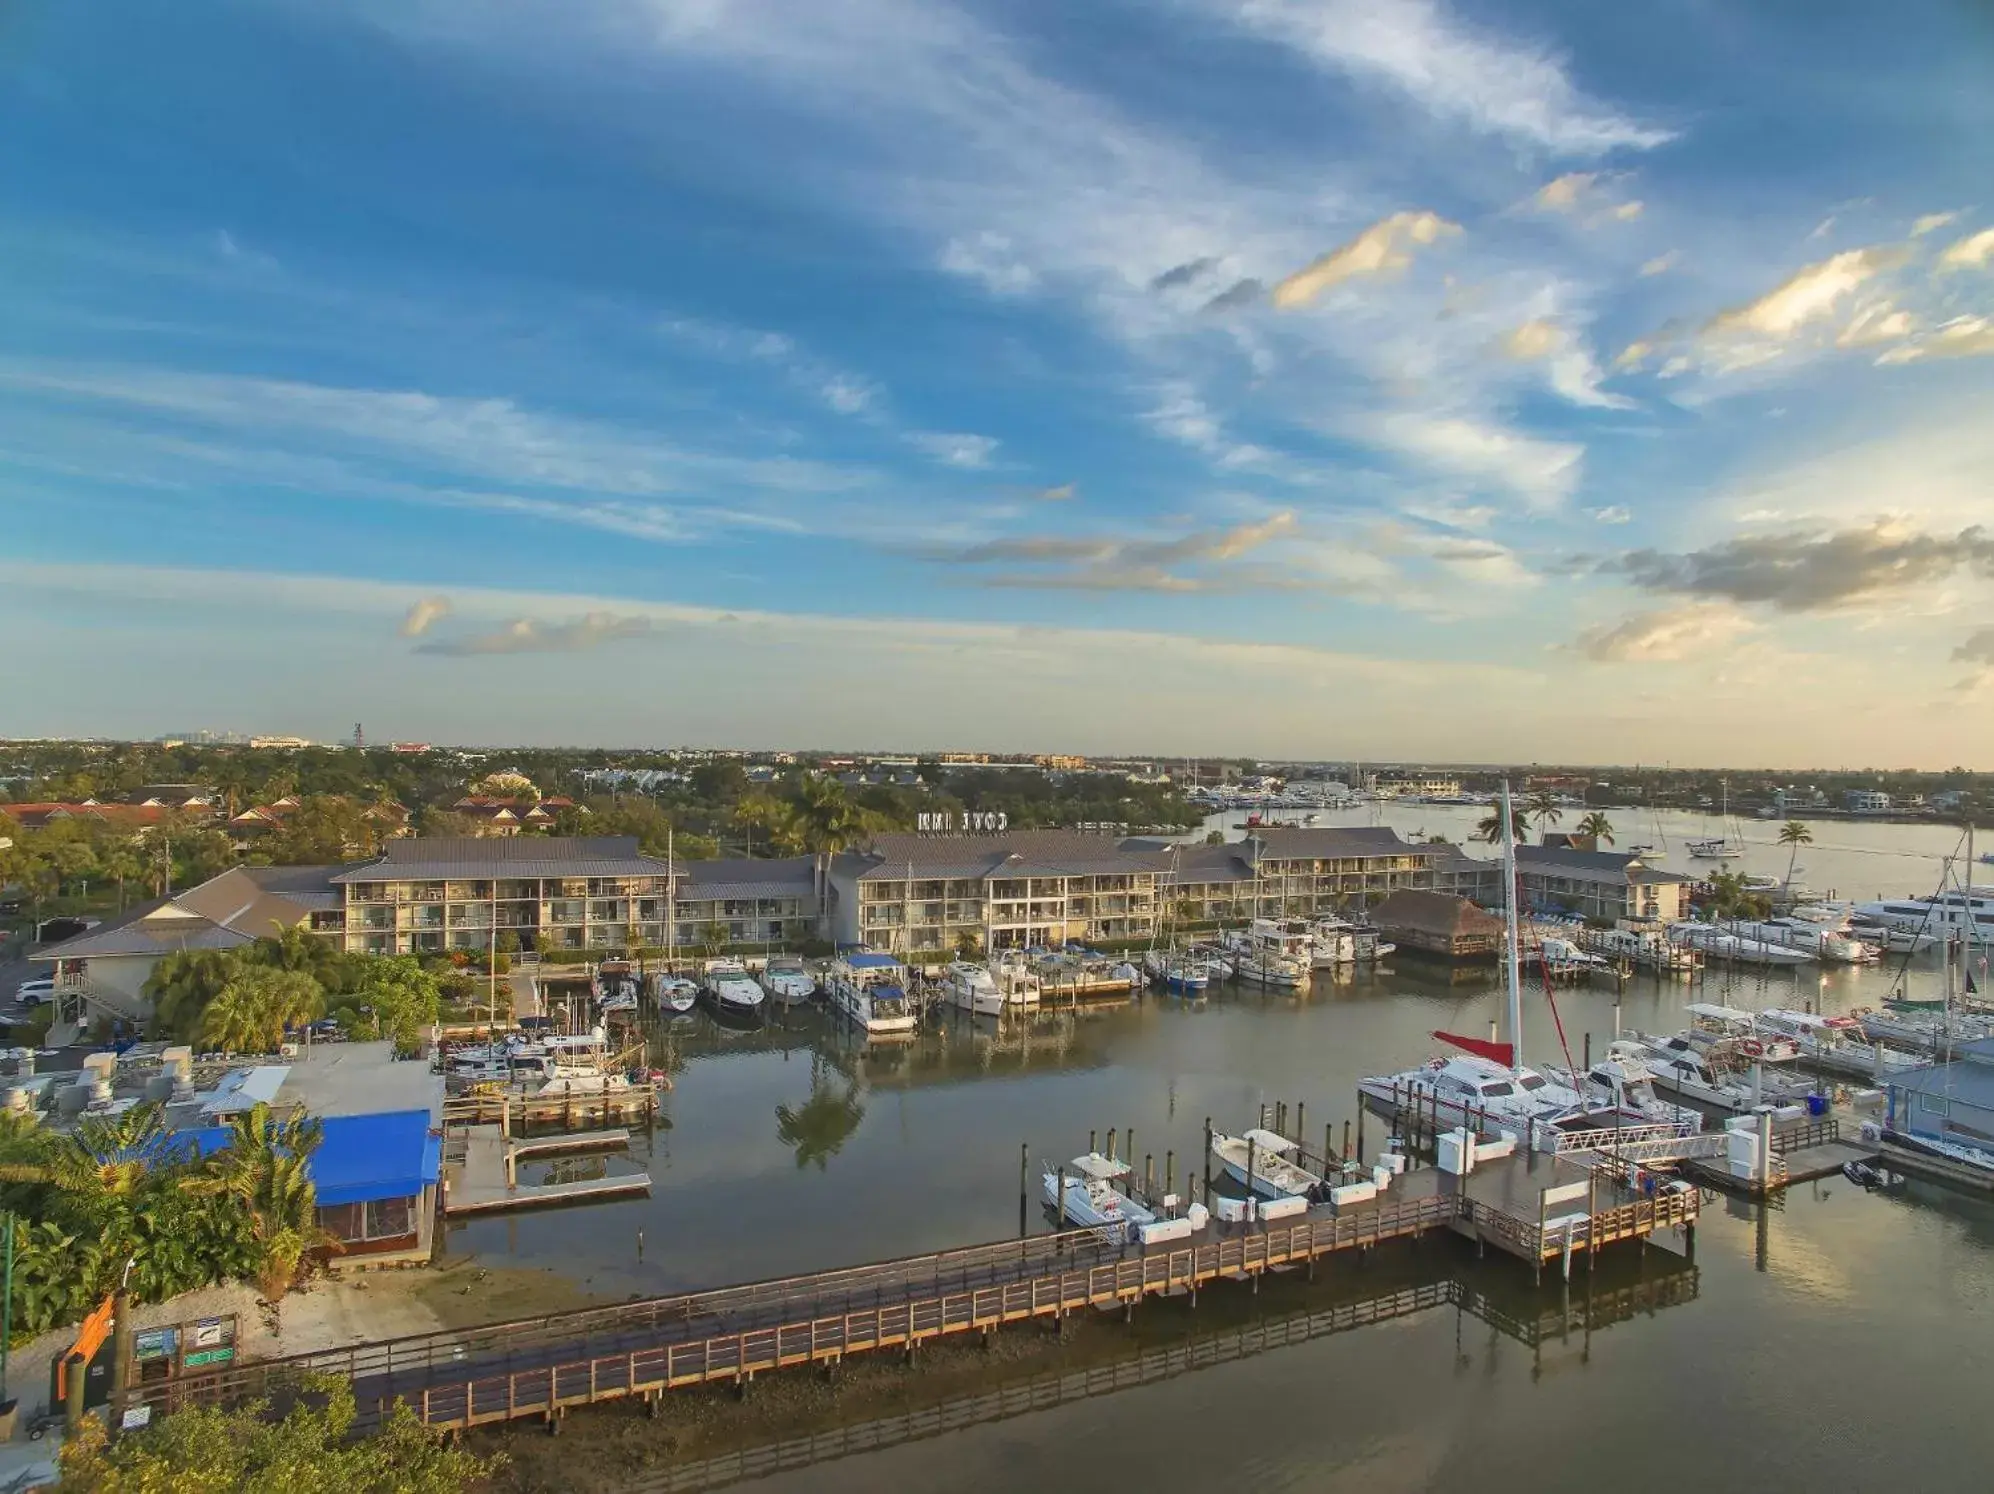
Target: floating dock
point(482, 1173)
point(509, 1109)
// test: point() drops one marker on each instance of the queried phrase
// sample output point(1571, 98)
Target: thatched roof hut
point(1439, 923)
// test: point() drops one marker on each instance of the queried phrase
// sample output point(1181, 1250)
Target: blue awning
point(363, 1158)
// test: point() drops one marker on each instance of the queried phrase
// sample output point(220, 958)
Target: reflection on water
point(816, 1129)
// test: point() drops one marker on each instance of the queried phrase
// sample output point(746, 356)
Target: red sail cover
point(1480, 1047)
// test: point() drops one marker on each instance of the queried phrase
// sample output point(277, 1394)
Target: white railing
point(1618, 1138)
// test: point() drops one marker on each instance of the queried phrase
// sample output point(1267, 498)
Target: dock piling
point(1024, 1191)
point(1208, 1159)
point(1301, 1125)
point(1170, 1172)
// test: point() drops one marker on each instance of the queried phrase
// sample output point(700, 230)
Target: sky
point(1398, 379)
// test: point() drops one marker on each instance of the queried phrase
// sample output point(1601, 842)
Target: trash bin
point(1817, 1105)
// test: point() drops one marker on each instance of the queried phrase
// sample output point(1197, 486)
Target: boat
point(1176, 972)
point(1091, 1198)
point(869, 990)
point(1623, 1083)
point(1922, 1029)
point(1217, 960)
point(1487, 1083)
point(1717, 848)
point(675, 996)
point(787, 981)
point(1646, 948)
point(1969, 913)
point(1267, 954)
point(1716, 944)
point(1015, 977)
point(1712, 1024)
point(972, 988)
point(1337, 942)
point(731, 993)
point(1813, 936)
point(1259, 1162)
point(1717, 1076)
point(1837, 1043)
point(615, 981)
point(1561, 957)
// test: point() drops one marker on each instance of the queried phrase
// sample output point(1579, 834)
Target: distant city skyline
point(1316, 379)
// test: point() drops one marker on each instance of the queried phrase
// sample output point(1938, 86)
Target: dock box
point(1352, 1193)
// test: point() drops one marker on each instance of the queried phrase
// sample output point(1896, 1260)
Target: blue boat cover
point(871, 961)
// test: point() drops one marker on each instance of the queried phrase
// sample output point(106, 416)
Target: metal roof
point(242, 1088)
point(1606, 863)
point(1329, 842)
point(471, 857)
point(140, 934)
point(1027, 853)
point(747, 877)
point(1964, 1081)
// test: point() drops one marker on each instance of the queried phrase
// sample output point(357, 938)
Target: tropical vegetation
point(252, 1449)
point(1730, 897)
point(1490, 826)
point(124, 1189)
point(1794, 834)
point(245, 1000)
point(1597, 828)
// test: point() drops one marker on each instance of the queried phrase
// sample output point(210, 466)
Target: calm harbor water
point(1837, 1340)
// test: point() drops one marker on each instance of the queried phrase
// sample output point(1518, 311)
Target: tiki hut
point(1438, 923)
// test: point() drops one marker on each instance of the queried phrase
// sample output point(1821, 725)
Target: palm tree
point(103, 1162)
point(1544, 808)
point(1731, 898)
point(829, 821)
point(1490, 828)
point(266, 1167)
point(1794, 834)
point(816, 1129)
point(1597, 828)
point(183, 984)
point(121, 865)
point(252, 1012)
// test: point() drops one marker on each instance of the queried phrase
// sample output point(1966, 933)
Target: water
point(1837, 1340)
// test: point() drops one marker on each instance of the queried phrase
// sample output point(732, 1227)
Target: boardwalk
point(545, 1366)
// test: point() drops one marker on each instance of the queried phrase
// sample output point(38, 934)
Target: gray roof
point(1023, 853)
point(229, 909)
point(1195, 865)
point(740, 878)
point(136, 932)
point(1967, 1081)
point(475, 857)
point(1604, 863)
point(1330, 842)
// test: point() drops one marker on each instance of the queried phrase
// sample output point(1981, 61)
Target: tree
point(828, 820)
point(1731, 898)
point(254, 1009)
point(1490, 826)
point(308, 1450)
point(184, 983)
point(325, 828)
point(394, 998)
point(713, 938)
point(1597, 828)
point(121, 865)
point(1794, 835)
point(1544, 808)
point(266, 1168)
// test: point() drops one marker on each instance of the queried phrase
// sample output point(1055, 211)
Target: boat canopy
point(1716, 1013)
point(871, 961)
point(1269, 1141)
point(1094, 1165)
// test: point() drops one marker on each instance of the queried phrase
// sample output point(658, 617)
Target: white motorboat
point(1647, 948)
point(1713, 1026)
point(1259, 1162)
point(1812, 936)
point(1924, 1030)
point(1834, 1042)
point(675, 995)
point(1715, 944)
point(1092, 1199)
point(1560, 957)
point(730, 992)
point(1338, 942)
point(1622, 1082)
point(971, 987)
point(787, 981)
point(615, 981)
point(869, 989)
point(1215, 959)
point(1705, 1076)
point(1969, 914)
point(1266, 954)
point(1015, 977)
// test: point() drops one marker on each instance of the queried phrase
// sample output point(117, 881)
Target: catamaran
point(870, 990)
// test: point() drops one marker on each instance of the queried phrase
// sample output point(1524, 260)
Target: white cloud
point(1877, 322)
point(1543, 473)
point(1561, 194)
point(1627, 212)
point(1666, 636)
point(423, 615)
point(1661, 264)
point(1808, 295)
point(1931, 223)
point(955, 448)
point(992, 260)
point(526, 635)
point(1383, 248)
point(1493, 85)
point(1962, 337)
point(1616, 513)
point(1574, 374)
point(1539, 337)
point(1970, 253)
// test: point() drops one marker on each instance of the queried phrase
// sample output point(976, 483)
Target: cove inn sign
point(940, 823)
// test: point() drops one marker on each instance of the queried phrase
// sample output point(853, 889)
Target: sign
point(209, 1356)
point(208, 1332)
point(136, 1417)
point(979, 822)
point(155, 1343)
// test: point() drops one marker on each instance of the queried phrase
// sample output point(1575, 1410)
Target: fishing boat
point(971, 987)
point(1623, 1083)
point(1095, 1196)
point(1837, 1043)
point(1716, 1077)
point(730, 992)
point(869, 990)
point(787, 981)
point(1259, 1162)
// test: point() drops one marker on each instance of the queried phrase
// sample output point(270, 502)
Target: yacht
point(1015, 977)
point(1923, 1030)
point(787, 980)
point(1337, 943)
point(1716, 944)
point(1269, 955)
point(1715, 1077)
point(731, 992)
point(1825, 942)
point(870, 990)
point(973, 988)
point(1273, 1175)
point(1562, 957)
point(1623, 1083)
point(1833, 1042)
point(1717, 848)
point(1952, 911)
point(1713, 1025)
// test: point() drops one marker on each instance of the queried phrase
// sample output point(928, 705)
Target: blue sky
point(1313, 377)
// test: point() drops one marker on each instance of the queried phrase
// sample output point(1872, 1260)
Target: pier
point(481, 1171)
point(543, 1367)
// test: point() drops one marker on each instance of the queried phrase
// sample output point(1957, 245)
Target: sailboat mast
point(1512, 966)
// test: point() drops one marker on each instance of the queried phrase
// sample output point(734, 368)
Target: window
point(390, 1218)
point(1934, 1104)
point(1501, 1089)
point(1532, 1081)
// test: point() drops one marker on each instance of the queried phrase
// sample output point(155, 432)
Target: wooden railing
point(1799, 1135)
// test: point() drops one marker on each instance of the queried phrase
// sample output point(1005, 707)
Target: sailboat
point(1488, 1080)
point(1720, 847)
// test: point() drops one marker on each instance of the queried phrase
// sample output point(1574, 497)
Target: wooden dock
point(482, 1174)
point(1802, 1150)
point(543, 1367)
point(636, 1102)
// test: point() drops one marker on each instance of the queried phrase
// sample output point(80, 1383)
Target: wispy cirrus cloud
point(955, 448)
point(1421, 51)
point(1667, 636)
point(1974, 252)
point(526, 635)
point(1104, 562)
point(1382, 249)
point(1492, 458)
